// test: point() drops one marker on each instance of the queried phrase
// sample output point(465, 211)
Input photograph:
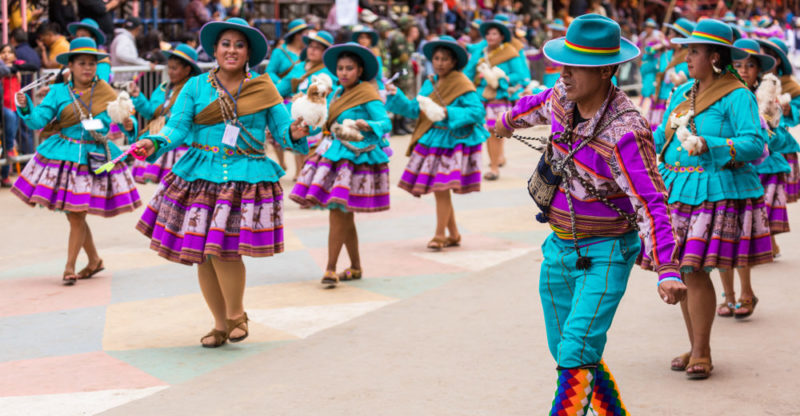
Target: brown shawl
point(677, 58)
point(103, 94)
point(721, 87)
point(295, 62)
point(789, 85)
point(257, 94)
point(355, 96)
point(176, 89)
point(502, 53)
point(297, 81)
point(452, 86)
point(517, 44)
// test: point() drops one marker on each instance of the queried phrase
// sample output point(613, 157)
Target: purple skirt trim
point(433, 169)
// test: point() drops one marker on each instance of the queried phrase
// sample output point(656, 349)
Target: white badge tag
point(303, 85)
point(92, 124)
point(230, 135)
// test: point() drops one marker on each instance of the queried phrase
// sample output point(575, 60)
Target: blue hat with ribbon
point(209, 34)
point(295, 26)
point(80, 46)
point(752, 48)
point(747, 27)
point(331, 58)
point(557, 25)
point(476, 24)
point(361, 30)
point(592, 40)
point(499, 22)
point(737, 32)
point(765, 21)
point(187, 54)
point(682, 26)
point(322, 37)
point(90, 25)
point(780, 49)
point(651, 23)
point(729, 18)
point(449, 43)
point(712, 32)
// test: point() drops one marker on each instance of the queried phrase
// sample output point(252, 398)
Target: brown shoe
point(220, 337)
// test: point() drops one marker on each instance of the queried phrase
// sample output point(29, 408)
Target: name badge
point(92, 124)
point(303, 85)
point(230, 135)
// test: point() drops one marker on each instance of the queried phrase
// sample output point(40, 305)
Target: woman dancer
point(715, 196)
point(513, 76)
point(445, 154)
point(222, 199)
point(652, 42)
point(368, 38)
point(61, 175)
point(672, 70)
point(181, 65)
point(352, 175)
point(88, 28)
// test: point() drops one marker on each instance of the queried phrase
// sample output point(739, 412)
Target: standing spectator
point(10, 86)
point(197, 15)
point(62, 12)
point(123, 48)
point(100, 11)
point(23, 50)
point(51, 44)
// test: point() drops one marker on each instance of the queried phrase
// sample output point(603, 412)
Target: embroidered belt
point(684, 168)
point(227, 151)
point(77, 141)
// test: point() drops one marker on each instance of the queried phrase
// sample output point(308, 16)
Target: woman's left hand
point(298, 130)
point(363, 125)
point(787, 109)
point(702, 147)
point(127, 124)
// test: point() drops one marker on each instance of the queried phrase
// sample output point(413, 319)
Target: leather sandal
point(437, 243)
point(682, 360)
point(69, 278)
point(452, 242)
point(491, 176)
point(220, 337)
point(725, 309)
point(704, 363)
point(350, 274)
point(237, 323)
point(87, 273)
point(748, 305)
point(330, 279)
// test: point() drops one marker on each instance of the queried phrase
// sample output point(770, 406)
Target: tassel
point(541, 217)
point(583, 263)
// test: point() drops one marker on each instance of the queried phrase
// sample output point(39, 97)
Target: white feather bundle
point(768, 96)
point(434, 111)
point(347, 131)
point(312, 106)
point(121, 108)
point(492, 74)
point(689, 141)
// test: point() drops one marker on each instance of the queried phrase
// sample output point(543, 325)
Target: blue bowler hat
point(449, 43)
point(331, 58)
point(360, 30)
point(295, 26)
point(476, 24)
point(747, 27)
point(752, 48)
point(729, 18)
point(500, 22)
point(712, 32)
point(322, 37)
point(557, 25)
point(779, 47)
point(737, 32)
point(187, 54)
point(592, 40)
point(651, 23)
point(80, 46)
point(209, 34)
point(682, 26)
point(90, 25)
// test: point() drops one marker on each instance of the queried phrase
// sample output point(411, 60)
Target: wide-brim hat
point(776, 45)
point(557, 25)
point(331, 57)
point(295, 26)
point(185, 53)
point(322, 37)
point(747, 27)
point(729, 17)
point(258, 43)
point(90, 25)
point(682, 26)
point(737, 32)
point(651, 23)
point(360, 30)
point(81, 46)
point(712, 32)
point(753, 48)
point(450, 43)
point(476, 24)
point(500, 25)
point(592, 40)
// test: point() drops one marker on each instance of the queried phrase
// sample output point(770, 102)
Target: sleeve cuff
point(668, 271)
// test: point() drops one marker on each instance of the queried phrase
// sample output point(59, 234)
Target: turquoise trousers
point(579, 305)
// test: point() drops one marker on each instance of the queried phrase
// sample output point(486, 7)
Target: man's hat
point(592, 41)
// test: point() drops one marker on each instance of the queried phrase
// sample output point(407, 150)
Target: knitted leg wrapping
point(574, 393)
point(606, 399)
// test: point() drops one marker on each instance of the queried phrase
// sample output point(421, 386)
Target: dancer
point(552, 70)
point(500, 75)
point(352, 175)
point(652, 42)
point(181, 65)
point(716, 199)
point(672, 70)
point(368, 38)
point(602, 148)
point(445, 148)
point(61, 177)
point(222, 199)
point(88, 28)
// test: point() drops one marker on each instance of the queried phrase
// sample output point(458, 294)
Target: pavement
point(457, 332)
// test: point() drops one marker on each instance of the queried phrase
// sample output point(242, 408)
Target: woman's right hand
point(133, 87)
point(21, 99)
point(390, 89)
point(145, 147)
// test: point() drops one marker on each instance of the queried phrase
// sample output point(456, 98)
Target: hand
point(128, 124)
point(145, 147)
point(363, 125)
point(298, 129)
point(672, 292)
point(391, 89)
point(133, 87)
point(42, 91)
point(702, 147)
point(152, 66)
point(22, 101)
point(787, 109)
point(500, 129)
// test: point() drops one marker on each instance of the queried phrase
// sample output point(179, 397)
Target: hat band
point(84, 49)
point(682, 31)
point(183, 55)
point(750, 51)
point(299, 27)
point(708, 36)
point(591, 50)
point(321, 40)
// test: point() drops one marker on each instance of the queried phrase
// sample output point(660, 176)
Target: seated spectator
point(23, 50)
point(51, 43)
point(197, 15)
point(123, 48)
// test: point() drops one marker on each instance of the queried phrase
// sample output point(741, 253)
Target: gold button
point(678, 149)
point(225, 178)
point(225, 171)
point(225, 157)
point(224, 165)
point(677, 163)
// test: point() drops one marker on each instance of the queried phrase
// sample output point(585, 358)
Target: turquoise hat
point(557, 25)
point(729, 18)
point(90, 25)
point(712, 32)
point(500, 22)
point(321, 37)
point(296, 25)
point(752, 48)
point(331, 57)
point(210, 32)
point(765, 21)
point(361, 29)
point(737, 32)
point(779, 47)
point(683, 26)
point(651, 23)
point(747, 27)
point(449, 43)
point(592, 40)
point(80, 46)
point(187, 54)
point(476, 24)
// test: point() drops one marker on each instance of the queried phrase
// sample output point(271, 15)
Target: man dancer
point(603, 151)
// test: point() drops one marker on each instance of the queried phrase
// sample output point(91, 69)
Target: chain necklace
point(230, 116)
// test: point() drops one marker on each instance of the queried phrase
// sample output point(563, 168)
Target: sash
point(721, 87)
point(517, 44)
point(297, 81)
point(162, 109)
point(450, 87)
point(258, 94)
point(502, 53)
point(355, 96)
point(286, 72)
point(789, 85)
point(103, 94)
point(677, 58)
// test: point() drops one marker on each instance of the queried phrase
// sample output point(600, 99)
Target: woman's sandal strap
point(219, 338)
point(350, 274)
point(237, 323)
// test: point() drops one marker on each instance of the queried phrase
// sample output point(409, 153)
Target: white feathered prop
point(121, 108)
point(768, 96)
point(434, 111)
point(312, 105)
point(675, 77)
point(347, 131)
point(492, 74)
point(689, 141)
point(533, 87)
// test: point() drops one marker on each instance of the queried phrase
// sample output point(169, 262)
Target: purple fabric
point(435, 169)
point(356, 188)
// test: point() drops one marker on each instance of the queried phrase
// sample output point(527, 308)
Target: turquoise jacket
point(476, 48)
point(775, 162)
point(666, 84)
point(285, 86)
point(786, 143)
point(104, 71)
point(516, 69)
point(147, 107)
point(281, 60)
point(56, 147)
point(463, 125)
point(208, 158)
point(732, 130)
point(374, 113)
point(648, 71)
